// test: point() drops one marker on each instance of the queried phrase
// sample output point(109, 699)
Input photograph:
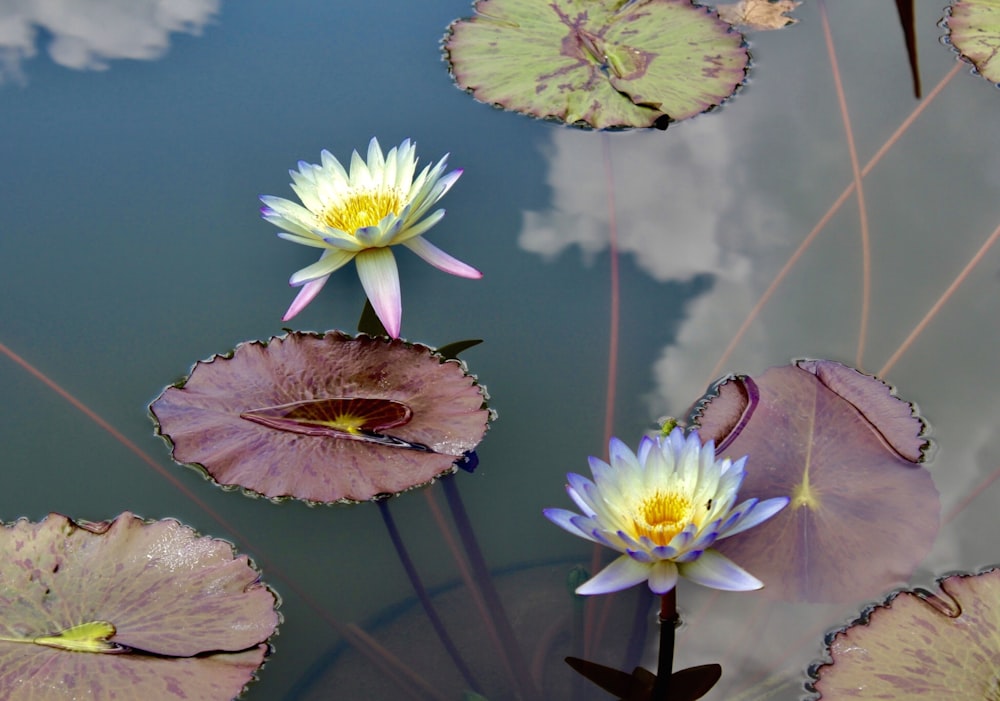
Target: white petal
point(425, 201)
point(663, 577)
point(645, 445)
point(304, 297)
point(371, 236)
point(332, 166)
point(360, 175)
point(715, 570)
point(757, 514)
point(621, 456)
point(416, 228)
point(406, 164)
point(564, 519)
point(604, 475)
point(288, 215)
point(339, 239)
point(441, 260)
point(304, 185)
point(331, 260)
point(708, 535)
point(376, 161)
point(642, 556)
point(301, 240)
point(620, 574)
point(389, 172)
point(380, 278)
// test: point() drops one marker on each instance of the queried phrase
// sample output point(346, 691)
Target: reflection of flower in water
point(85, 33)
point(358, 215)
point(324, 418)
point(664, 508)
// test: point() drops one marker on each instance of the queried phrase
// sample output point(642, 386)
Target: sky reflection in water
point(132, 247)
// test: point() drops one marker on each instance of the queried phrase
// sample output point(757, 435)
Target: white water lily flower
point(358, 215)
point(664, 508)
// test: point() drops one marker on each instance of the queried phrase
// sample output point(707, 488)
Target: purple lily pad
point(324, 418)
point(845, 450)
point(919, 646)
point(91, 608)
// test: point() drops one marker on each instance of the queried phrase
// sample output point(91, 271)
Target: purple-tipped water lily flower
point(663, 508)
point(358, 215)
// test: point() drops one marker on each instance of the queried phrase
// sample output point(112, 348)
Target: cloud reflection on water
point(684, 207)
point(730, 196)
point(85, 34)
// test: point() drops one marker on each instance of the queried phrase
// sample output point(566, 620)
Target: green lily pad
point(920, 646)
point(598, 63)
point(974, 31)
point(127, 608)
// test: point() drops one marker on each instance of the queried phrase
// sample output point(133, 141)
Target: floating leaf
point(844, 449)
point(974, 30)
point(919, 646)
point(759, 14)
point(597, 63)
point(182, 616)
point(685, 685)
point(451, 350)
point(324, 418)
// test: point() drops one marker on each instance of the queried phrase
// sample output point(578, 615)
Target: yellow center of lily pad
point(804, 495)
point(93, 636)
point(662, 515)
point(359, 418)
point(362, 208)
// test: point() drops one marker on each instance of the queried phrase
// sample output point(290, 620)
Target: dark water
point(131, 246)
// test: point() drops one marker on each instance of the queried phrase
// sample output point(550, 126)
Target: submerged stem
point(484, 580)
point(425, 599)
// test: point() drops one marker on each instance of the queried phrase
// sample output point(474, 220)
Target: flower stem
point(484, 580)
point(425, 599)
point(665, 664)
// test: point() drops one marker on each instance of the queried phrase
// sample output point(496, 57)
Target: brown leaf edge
point(101, 527)
point(745, 386)
point(943, 603)
point(228, 355)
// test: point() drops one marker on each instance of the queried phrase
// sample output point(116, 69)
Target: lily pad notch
point(324, 417)
point(84, 606)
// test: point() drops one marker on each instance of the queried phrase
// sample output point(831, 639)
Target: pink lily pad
point(919, 646)
point(846, 451)
point(324, 418)
point(127, 609)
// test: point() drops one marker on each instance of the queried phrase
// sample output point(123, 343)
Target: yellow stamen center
point(362, 208)
point(662, 515)
point(348, 423)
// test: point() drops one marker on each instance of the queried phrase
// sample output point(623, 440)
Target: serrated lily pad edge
point(660, 122)
point(97, 528)
point(866, 613)
point(945, 23)
point(491, 415)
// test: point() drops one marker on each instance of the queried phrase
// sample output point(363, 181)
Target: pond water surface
point(131, 246)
